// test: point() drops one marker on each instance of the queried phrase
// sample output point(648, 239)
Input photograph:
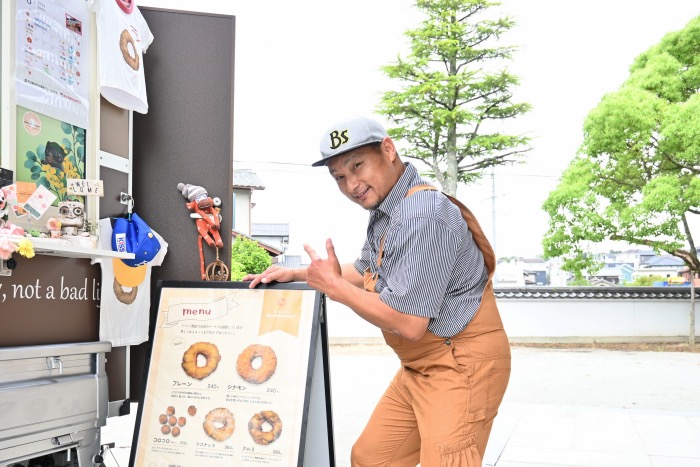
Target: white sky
point(300, 65)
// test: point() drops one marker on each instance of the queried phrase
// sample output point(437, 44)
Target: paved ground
point(570, 407)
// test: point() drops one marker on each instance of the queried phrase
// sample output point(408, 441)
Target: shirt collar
point(408, 179)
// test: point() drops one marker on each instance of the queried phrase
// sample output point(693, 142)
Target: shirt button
point(448, 342)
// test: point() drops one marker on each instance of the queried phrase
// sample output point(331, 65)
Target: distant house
point(244, 183)
point(535, 271)
point(272, 234)
point(685, 273)
point(663, 265)
point(292, 262)
point(519, 272)
point(609, 275)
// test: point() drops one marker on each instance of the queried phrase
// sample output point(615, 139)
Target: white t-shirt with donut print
point(125, 293)
point(122, 37)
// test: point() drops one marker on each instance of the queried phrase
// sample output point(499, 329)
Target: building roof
point(593, 293)
point(269, 230)
point(273, 250)
point(608, 271)
point(663, 261)
point(246, 178)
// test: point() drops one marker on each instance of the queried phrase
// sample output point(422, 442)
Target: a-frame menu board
point(236, 377)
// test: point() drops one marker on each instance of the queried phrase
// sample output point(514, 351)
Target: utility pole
point(493, 220)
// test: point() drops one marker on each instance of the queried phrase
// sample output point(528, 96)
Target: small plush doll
point(204, 211)
point(4, 208)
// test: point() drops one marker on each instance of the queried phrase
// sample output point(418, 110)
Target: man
point(423, 278)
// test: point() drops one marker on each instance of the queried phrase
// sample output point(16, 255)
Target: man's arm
point(278, 274)
point(327, 276)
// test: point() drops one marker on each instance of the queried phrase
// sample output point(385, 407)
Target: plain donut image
point(219, 424)
point(125, 40)
point(268, 363)
point(259, 420)
point(189, 359)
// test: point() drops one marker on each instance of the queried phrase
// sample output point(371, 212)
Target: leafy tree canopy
point(247, 257)
point(635, 177)
point(455, 96)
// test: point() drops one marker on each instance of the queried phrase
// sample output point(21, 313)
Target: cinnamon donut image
point(219, 424)
point(259, 420)
point(268, 363)
point(122, 295)
point(125, 40)
point(208, 351)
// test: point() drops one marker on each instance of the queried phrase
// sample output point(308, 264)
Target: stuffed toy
point(4, 208)
point(206, 213)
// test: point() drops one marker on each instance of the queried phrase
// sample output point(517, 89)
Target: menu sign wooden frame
point(230, 378)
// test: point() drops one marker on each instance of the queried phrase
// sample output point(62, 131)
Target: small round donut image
point(189, 360)
point(122, 295)
point(219, 424)
point(128, 48)
point(256, 374)
point(270, 421)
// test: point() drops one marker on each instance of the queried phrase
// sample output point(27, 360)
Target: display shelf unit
point(66, 249)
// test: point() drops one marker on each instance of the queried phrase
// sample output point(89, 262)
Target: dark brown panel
point(49, 300)
point(186, 136)
point(114, 129)
point(115, 367)
point(115, 183)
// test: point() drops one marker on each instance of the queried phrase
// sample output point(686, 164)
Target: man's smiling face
point(367, 174)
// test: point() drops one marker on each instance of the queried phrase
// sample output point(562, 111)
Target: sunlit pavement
point(563, 408)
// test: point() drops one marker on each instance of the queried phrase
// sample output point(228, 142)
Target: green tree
point(247, 257)
point(645, 281)
point(455, 97)
point(635, 177)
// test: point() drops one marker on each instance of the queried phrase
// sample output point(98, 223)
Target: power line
point(309, 167)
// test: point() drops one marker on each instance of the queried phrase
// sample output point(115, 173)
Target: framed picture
point(229, 376)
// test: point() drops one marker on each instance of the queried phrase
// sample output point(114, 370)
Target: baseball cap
point(348, 134)
point(134, 236)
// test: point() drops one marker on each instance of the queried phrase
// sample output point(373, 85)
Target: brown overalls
point(439, 408)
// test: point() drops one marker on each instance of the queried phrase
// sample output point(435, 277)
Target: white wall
point(557, 320)
point(242, 211)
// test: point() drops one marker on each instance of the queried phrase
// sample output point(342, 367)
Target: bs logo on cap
point(338, 138)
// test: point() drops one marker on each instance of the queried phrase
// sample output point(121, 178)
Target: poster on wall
point(229, 376)
point(49, 152)
point(52, 58)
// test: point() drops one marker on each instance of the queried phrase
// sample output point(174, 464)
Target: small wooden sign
point(82, 187)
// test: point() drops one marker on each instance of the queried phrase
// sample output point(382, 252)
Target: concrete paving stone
point(570, 457)
point(543, 427)
point(606, 431)
point(663, 461)
point(675, 436)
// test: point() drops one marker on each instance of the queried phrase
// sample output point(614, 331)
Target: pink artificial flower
point(7, 247)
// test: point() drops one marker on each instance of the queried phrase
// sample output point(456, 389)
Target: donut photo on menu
point(257, 363)
point(219, 424)
point(190, 360)
point(265, 427)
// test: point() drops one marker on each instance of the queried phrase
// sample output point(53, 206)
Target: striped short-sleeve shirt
point(431, 266)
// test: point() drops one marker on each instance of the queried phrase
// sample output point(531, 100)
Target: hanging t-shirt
point(122, 37)
point(125, 295)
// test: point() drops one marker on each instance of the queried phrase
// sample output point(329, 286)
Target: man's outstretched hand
point(323, 274)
